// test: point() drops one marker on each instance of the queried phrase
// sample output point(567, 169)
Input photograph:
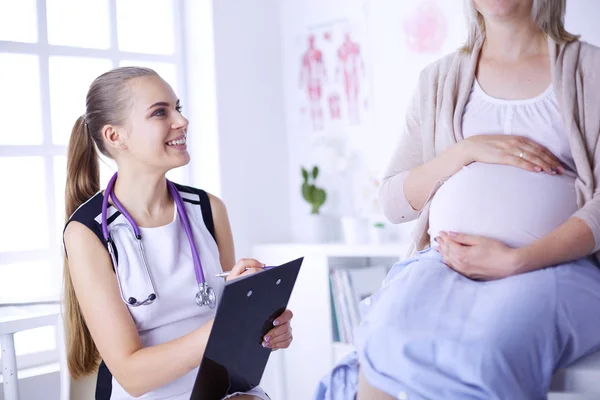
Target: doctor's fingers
point(251, 271)
point(279, 334)
point(245, 263)
point(278, 331)
point(280, 341)
point(285, 316)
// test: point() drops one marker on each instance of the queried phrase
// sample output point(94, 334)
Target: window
point(50, 51)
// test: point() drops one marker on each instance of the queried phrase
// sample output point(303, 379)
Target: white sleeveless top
point(174, 313)
point(503, 202)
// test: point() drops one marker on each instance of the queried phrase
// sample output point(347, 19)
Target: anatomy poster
point(333, 86)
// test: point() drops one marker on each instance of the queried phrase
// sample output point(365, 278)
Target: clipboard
point(234, 359)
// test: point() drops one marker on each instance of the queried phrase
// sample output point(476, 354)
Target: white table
point(15, 319)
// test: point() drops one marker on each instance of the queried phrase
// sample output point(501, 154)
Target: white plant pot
point(377, 235)
point(319, 228)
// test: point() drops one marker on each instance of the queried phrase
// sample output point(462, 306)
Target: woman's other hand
point(517, 151)
point(245, 266)
point(280, 337)
point(477, 257)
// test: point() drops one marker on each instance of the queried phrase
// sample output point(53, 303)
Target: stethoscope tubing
point(205, 291)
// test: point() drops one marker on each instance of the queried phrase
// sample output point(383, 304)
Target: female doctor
point(142, 255)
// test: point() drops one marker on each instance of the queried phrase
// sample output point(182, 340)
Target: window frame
point(48, 150)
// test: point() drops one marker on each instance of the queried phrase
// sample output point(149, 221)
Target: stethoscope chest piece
point(206, 296)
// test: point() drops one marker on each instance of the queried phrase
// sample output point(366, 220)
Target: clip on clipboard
point(234, 359)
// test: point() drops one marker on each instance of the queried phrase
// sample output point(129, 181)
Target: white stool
point(10, 324)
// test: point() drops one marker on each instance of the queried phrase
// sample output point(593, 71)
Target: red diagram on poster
point(312, 76)
point(334, 106)
point(334, 88)
point(351, 63)
point(425, 28)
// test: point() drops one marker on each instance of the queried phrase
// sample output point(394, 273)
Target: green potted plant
point(318, 230)
point(314, 195)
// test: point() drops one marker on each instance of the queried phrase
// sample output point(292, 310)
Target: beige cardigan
point(434, 120)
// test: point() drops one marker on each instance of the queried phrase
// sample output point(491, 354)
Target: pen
point(225, 274)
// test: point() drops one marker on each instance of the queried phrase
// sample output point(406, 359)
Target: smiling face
point(154, 134)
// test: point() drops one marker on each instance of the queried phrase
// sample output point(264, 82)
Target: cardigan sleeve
point(407, 155)
point(588, 99)
point(590, 211)
point(590, 214)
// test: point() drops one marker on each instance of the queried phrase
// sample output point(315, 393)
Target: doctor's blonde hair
point(548, 15)
point(107, 102)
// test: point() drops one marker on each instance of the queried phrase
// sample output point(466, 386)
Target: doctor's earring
point(121, 145)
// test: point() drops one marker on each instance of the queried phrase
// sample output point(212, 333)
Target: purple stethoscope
point(205, 296)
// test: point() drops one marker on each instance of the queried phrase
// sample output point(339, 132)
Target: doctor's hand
point(477, 257)
point(245, 266)
point(280, 337)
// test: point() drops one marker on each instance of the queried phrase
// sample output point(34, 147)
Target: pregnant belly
point(502, 202)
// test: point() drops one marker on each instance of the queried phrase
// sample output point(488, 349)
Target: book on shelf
point(336, 332)
point(350, 286)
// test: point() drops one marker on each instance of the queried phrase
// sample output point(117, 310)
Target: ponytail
point(83, 181)
point(83, 168)
point(107, 102)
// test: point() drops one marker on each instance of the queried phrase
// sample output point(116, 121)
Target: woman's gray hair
point(548, 15)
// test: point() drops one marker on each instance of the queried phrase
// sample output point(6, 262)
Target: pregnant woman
point(499, 162)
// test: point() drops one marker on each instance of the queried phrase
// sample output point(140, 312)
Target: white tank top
point(503, 202)
point(174, 313)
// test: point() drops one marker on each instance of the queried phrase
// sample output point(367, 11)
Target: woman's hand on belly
point(517, 151)
point(477, 257)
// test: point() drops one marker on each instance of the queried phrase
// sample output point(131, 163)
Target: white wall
point(199, 64)
point(582, 18)
point(252, 139)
